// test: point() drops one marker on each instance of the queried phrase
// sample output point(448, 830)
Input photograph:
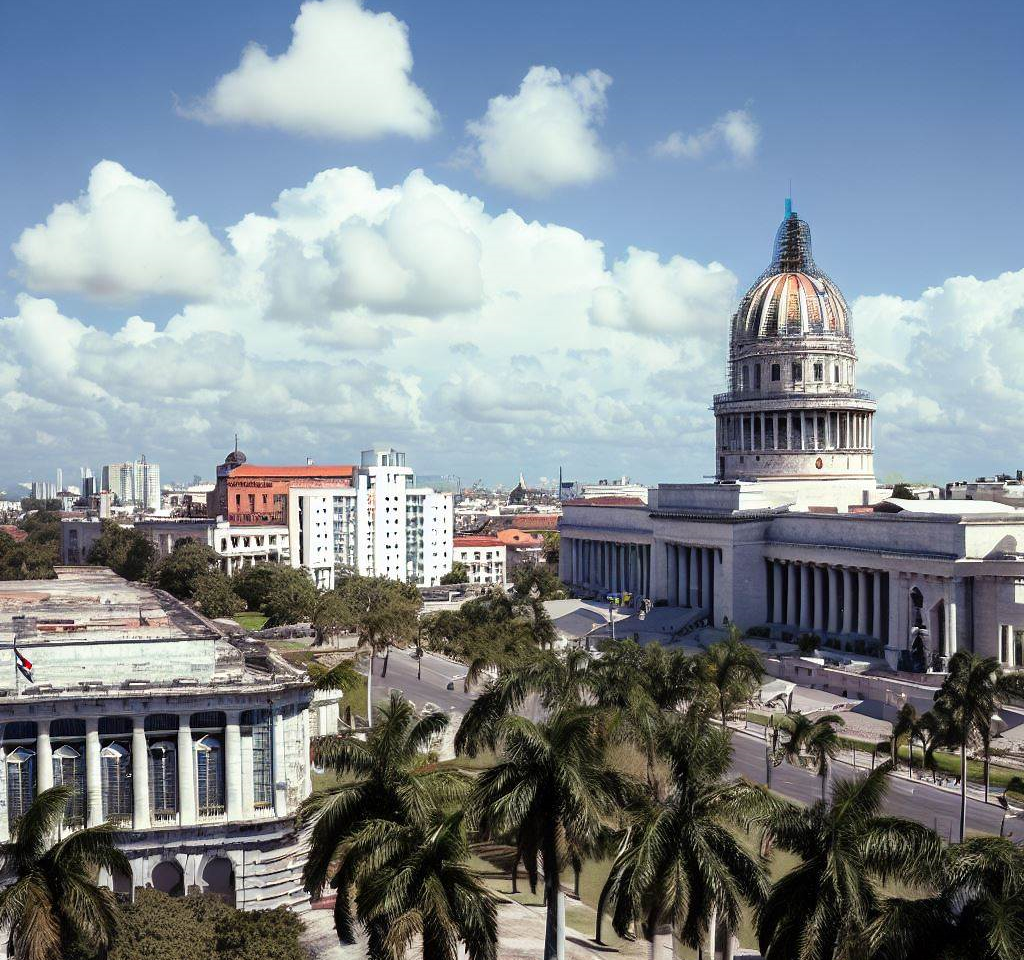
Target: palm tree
point(387, 777)
point(680, 869)
point(342, 676)
point(415, 882)
point(904, 727)
point(813, 741)
point(977, 910)
point(553, 789)
point(53, 901)
point(557, 679)
point(731, 672)
point(822, 909)
point(969, 696)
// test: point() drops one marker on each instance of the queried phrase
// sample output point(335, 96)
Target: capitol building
point(194, 743)
point(794, 536)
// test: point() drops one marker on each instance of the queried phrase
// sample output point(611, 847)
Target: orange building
point(252, 494)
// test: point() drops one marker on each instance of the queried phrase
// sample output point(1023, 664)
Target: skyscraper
point(135, 483)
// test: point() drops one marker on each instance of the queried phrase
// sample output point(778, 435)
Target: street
point(915, 800)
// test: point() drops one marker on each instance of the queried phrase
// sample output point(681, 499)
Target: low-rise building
point(194, 744)
point(521, 547)
point(483, 557)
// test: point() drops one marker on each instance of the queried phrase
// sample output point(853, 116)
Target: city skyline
point(315, 278)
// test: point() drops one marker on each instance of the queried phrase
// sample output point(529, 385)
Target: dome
point(792, 298)
point(792, 305)
point(235, 459)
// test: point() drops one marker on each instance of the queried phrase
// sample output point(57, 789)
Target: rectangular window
point(776, 371)
point(1006, 644)
point(746, 378)
point(798, 373)
point(819, 372)
point(837, 373)
point(757, 376)
point(262, 758)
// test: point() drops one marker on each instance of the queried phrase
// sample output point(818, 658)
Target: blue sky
point(898, 124)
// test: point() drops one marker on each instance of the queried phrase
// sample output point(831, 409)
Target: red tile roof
point(305, 470)
point(15, 533)
point(477, 542)
point(605, 502)
point(520, 538)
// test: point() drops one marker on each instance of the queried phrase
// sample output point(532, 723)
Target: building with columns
point(195, 744)
point(793, 534)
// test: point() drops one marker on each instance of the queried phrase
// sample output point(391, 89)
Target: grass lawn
point(251, 620)
point(493, 863)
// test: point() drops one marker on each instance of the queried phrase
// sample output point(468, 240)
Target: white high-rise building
point(381, 526)
point(135, 483)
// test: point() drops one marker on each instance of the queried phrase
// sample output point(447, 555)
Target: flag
point(23, 664)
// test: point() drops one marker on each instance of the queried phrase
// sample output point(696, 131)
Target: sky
point(504, 237)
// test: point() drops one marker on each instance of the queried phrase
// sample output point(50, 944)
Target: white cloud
point(735, 133)
point(546, 136)
point(354, 312)
point(411, 313)
point(679, 299)
point(120, 239)
point(346, 75)
point(948, 371)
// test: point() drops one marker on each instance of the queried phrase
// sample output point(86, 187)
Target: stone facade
point(196, 745)
point(795, 534)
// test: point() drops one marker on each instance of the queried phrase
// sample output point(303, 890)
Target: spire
point(792, 250)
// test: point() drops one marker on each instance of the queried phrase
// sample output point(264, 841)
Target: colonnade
point(797, 430)
point(606, 566)
point(690, 576)
point(155, 770)
point(825, 599)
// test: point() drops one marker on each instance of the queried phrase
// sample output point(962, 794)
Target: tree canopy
point(127, 552)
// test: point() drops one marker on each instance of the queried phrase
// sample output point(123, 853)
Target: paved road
point(915, 800)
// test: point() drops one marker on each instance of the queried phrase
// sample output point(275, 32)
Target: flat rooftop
point(92, 631)
point(85, 602)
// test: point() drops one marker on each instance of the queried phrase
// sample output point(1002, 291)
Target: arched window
point(69, 770)
point(116, 770)
point(163, 781)
point(210, 776)
point(20, 766)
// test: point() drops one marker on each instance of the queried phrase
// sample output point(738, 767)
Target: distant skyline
point(501, 237)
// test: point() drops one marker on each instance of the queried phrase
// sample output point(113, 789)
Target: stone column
point(764, 445)
point(833, 599)
point(683, 574)
point(44, 757)
point(232, 765)
point(805, 595)
point(876, 613)
point(693, 577)
point(818, 623)
point(951, 607)
point(707, 599)
point(672, 574)
point(140, 774)
point(814, 431)
point(862, 601)
point(847, 600)
point(277, 735)
point(186, 772)
point(792, 613)
point(93, 775)
point(778, 571)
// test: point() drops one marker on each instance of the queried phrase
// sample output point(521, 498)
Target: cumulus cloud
point(735, 134)
point(681, 298)
point(948, 371)
point(544, 137)
point(346, 75)
point(120, 239)
point(351, 311)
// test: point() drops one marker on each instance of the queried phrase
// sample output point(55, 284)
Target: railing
point(211, 811)
point(818, 390)
point(164, 816)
